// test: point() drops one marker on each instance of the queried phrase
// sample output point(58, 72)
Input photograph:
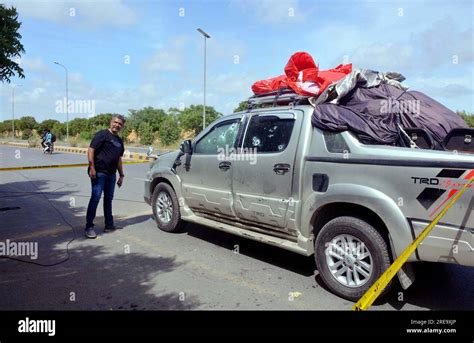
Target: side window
point(221, 136)
point(268, 133)
point(335, 142)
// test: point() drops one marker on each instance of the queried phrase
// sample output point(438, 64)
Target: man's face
point(116, 125)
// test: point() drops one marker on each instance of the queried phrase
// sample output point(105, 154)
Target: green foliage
point(243, 106)
point(468, 117)
point(26, 134)
point(6, 126)
point(170, 131)
point(59, 129)
point(152, 116)
point(149, 123)
point(27, 122)
point(100, 121)
point(85, 135)
point(47, 124)
point(191, 117)
point(145, 133)
point(10, 45)
point(78, 126)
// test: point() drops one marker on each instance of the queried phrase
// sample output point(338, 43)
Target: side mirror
point(186, 147)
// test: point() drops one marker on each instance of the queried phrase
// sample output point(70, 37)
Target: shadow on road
point(438, 286)
point(276, 256)
point(98, 274)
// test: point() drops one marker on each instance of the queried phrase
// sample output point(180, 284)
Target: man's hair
point(119, 116)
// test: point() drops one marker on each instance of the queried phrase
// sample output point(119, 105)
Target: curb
point(127, 155)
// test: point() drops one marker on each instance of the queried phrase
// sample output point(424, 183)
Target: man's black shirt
point(107, 150)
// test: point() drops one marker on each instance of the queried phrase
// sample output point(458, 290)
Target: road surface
point(143, 268)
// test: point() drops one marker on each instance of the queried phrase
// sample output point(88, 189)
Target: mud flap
point(406, 275)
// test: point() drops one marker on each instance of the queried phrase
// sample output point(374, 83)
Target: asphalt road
point(143, 268)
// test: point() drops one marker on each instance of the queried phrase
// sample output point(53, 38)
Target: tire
point(364, 253)
point(169, 218)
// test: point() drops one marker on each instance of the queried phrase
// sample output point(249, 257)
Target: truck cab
point(267, 174)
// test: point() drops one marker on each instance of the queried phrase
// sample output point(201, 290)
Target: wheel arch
point(333, 210)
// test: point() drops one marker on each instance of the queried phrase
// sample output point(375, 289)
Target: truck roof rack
point(283, 96)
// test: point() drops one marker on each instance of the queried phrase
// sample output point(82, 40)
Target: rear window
point(335, 142)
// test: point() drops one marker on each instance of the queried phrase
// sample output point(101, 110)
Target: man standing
point(105, 158)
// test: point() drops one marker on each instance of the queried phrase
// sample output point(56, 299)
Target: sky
point(123, 55)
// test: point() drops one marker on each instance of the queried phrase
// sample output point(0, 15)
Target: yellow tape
point(63, 166)
point(373, 292)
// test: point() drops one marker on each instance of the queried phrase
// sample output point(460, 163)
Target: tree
point(78, 125)
point(170, 130)
point(243, 106)
point(468, 117)
point(27, 133)
point(145, 133)
point(153, 116)
point(5, 126)
point(59, 129)
point(191, 117)
point(10, 45)
point(47, 124)
point(100, 121)
point(27, 122)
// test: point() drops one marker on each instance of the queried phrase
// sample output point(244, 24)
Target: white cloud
point(33, 64)
point(165, 61)
point(35, 94)
point(90, 13)
point(169, 58)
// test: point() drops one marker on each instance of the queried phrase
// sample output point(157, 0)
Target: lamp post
point(67, 102)
point(205, 35)
point(13, 109)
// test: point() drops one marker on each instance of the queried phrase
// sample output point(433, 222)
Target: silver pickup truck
point(267, 174)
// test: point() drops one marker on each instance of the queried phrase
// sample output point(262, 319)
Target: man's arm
point(120, 170)
point(90, 157)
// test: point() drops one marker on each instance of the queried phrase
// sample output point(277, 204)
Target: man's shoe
point(112, 228)
point(90, 233)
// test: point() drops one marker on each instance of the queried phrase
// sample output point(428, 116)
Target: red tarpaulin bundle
point(303, 76)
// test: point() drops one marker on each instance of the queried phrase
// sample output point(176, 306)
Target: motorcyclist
point(48, 141)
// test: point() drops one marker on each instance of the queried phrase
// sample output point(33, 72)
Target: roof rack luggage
point(283, 96)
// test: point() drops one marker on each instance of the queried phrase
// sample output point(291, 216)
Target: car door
point(263, 169)
point(207, 182)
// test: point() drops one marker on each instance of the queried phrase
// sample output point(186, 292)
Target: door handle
point(225, 165)
point(281, 168)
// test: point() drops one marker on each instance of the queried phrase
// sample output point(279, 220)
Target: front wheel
point(350, 256)
point(166, 208)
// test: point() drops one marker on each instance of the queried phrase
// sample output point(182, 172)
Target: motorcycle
point(48, 149)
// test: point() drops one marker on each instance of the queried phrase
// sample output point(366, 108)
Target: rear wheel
point(350, 256)
point(166, 208)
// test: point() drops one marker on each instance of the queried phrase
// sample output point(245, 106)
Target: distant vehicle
point(269, 175)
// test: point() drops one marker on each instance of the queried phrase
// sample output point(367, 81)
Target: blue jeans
point(106, 183)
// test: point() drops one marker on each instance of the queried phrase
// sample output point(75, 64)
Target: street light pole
point(67, 101)
point(13, 110)
point(205, 35)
